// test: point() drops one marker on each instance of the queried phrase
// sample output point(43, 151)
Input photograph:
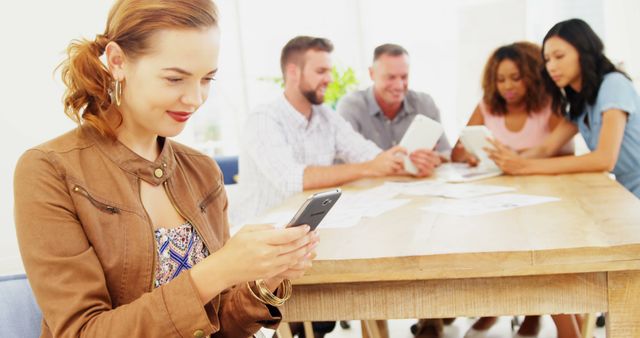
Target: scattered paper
point(350, 208)
point(448, 190)
point(486, 204)
point(461, 172)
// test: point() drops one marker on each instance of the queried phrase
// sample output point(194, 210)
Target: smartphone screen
point(315, 208)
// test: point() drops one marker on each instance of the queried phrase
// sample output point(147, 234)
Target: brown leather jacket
point(89, 250)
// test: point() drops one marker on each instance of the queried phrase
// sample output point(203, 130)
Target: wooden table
point(578, 255)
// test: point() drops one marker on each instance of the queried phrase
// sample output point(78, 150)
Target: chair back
point(229, 167)
point(20, 316)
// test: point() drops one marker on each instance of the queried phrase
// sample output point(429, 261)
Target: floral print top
point(179, 249)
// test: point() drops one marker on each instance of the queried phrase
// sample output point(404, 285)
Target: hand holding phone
point(315, 208)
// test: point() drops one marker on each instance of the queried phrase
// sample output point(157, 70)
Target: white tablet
point(474, 139)
point(423, 133)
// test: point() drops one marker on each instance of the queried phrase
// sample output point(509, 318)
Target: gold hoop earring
point(117, 92)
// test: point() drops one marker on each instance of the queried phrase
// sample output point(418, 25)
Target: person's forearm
point(590, 162)
point(209, 278)
point(536, 152)
point(335, 175)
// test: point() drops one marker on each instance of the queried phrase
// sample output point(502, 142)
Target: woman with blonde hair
point(123, 232)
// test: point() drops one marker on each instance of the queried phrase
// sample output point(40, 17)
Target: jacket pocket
point(110, 209)
point(210, 197)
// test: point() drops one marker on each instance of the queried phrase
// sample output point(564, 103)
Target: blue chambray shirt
point(617, 92)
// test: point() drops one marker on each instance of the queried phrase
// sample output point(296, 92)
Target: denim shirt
point(616, 92)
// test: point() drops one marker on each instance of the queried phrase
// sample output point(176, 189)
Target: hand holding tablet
point(423, 133)
point(474, 140)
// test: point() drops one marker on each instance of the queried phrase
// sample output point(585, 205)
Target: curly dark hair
point(594, 65)
point(526, 56)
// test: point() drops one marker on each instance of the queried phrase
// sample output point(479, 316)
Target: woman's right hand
point(255, 252)
point(460, 154)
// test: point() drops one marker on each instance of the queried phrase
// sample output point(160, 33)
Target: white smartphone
point(423, 133)
point(315, 208)
point(474, 140)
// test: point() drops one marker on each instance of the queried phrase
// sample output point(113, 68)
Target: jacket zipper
point(102, 206)
point(153, 239)
point(203, 205)
point(165, 184)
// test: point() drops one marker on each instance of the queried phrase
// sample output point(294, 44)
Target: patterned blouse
point(179, 249)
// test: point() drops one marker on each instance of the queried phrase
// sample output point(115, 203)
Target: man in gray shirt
point(383, 112)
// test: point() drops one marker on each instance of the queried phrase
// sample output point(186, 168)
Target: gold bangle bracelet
point(253, 293)
point(267, 297)
point(273, 299)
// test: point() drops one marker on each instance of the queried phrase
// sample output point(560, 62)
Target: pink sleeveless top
point(532, 134)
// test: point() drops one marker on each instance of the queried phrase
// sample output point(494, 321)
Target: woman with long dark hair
point(515, 106)
point(597, 99)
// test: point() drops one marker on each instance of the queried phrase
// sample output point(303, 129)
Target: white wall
point(449, 42)
point(621, 35)
point(33, 37)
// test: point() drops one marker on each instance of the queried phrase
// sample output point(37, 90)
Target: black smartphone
point(315, 208)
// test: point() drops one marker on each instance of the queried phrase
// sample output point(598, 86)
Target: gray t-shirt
point(362, 111)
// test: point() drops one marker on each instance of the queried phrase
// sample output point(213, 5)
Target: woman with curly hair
point(517, 109)
point(598, 101)
point(515, 106)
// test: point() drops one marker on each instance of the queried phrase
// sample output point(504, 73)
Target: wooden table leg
point(375, 329)
point(284, 331)
point(623, 318)
point(588, 323)
point(308, 329)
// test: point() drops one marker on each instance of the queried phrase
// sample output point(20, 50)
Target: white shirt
point(279, 143)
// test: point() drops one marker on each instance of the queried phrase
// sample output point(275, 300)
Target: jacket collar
point(154, 173)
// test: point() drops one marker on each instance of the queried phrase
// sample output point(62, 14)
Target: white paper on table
point(352, 207)
point(380, 208)
point(339, 220)
point(448, 190)
point(486, 204)
point(462, 172)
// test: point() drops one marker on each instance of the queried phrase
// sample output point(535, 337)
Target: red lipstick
point(179, 116)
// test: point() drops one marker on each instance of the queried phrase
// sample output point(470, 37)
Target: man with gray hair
point(383, 112)
point(292, 143)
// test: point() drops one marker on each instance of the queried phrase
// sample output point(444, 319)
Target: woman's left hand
point(508, 160)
